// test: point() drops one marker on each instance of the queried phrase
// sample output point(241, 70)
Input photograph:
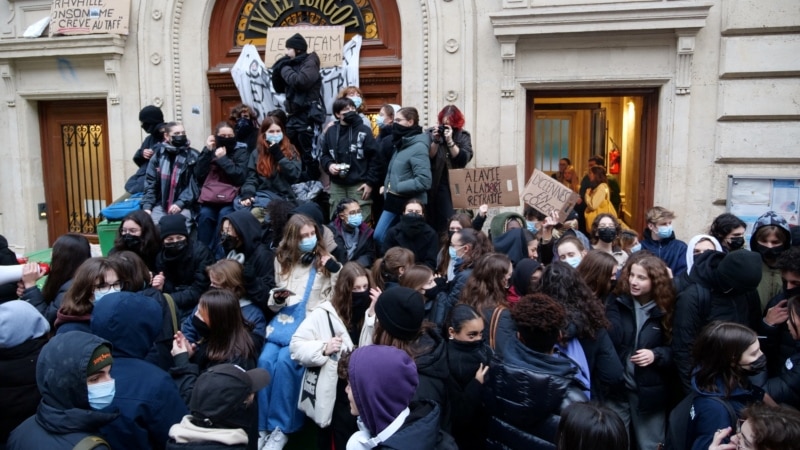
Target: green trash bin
point(42, 256)
point(106, 233)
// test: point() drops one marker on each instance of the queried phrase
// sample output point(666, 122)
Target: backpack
point(91, 442)
point(678, 423)
point(119, 209)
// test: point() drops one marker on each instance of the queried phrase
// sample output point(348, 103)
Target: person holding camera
point(348, 155)
point(451, 148)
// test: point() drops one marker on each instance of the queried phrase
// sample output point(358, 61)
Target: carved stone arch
point(380, 63)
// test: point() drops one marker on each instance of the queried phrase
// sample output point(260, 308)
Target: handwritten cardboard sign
point(545, 194)
point(327, 42)
point(494, 186)
point(89, 17)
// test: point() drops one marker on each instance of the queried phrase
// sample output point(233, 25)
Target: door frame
point(52, 114)
point(644, 198)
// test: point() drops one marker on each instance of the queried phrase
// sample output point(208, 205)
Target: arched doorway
point(240, 22)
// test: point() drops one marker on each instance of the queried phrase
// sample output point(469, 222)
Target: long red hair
point(267, 166)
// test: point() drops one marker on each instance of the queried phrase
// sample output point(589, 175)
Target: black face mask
point(228, 242)
point(768, 253)
point(244, 128)
point(179, 141)
point(361, 301)
point(607, 235)
point(430, 294)
point(465, 346)
point(736, 243)
point(149, 127)
point(789, 293)
point(228, 142)
point(132, 242)
point(756, 367)
point(202, 328)
point(173, 249)
point(351, 118)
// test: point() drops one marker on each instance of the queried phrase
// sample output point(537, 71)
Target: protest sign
point(327, 42)
point(72, 17)
point(494, 186)
point(546, 194)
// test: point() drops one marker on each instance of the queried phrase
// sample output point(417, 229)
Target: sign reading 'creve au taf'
point(258, 16)
point(89, 16)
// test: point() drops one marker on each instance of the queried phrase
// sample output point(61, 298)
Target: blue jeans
point(386, 220)
point(208, 223)
point(277, 403)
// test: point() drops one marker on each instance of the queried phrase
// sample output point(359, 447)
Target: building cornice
point(102, 45)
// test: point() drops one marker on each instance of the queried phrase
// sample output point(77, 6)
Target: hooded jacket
point(157, 186)
point(702, 302)
point(513, 244)
point(672, 251)
point(525, 394)
point(185, 277)
point(409, 172)
point(413, 233)
point(147, 397)
point(259, 262)
point(64, 416)
point(353, 145)
point(771, 281)
point(23, 333)
point(420, 430)
point(499, 224)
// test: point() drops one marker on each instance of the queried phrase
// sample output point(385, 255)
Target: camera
point(344, 169)
point(441, 129)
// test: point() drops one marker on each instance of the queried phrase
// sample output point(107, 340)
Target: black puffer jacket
point(703, 302)
point(416, 235)
point(464, 392)
point(785, 388)
point(259, 260)
point(433, 373)
point(650, 380)
point(524, 394)
point(185, 277)
point(64, 416)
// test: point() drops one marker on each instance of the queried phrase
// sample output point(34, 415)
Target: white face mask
point(101, 394)
point(574, 261)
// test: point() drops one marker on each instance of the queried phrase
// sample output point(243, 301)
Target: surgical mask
point(308, 244)
point(131, 242)
point(274, 138)
point(736, 243)
point(98, 294)
point(357, 101)
point(383, 121)
point(574, 261)
point(453, 253)
point(101, 394)
point(664, 231)
point(607, 235)
point(756, 367)
point(179, 141)
point(355, 220)
point(531, 226)
point(636, 247)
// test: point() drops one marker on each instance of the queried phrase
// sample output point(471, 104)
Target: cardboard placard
point(327, 42)
point(494, 186)
point(545, 194)
point(73, 17)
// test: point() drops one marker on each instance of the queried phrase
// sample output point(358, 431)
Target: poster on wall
point(493, 186)
point(327, 42)
point(751, 196)
point(253, 78)
point(546, 194)
point(76, 17)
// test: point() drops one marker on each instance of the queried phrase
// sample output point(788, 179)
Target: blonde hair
point(657, 214)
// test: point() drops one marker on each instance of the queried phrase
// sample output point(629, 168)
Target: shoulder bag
point(318, 389)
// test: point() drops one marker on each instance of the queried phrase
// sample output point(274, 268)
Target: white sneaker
point(276, 441)
point(263, 437)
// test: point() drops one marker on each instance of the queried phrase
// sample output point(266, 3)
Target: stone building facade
point(715, 84)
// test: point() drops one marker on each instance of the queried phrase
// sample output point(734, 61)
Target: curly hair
point(716, 354)
point(342, 298)
point(391, 267)
point(485, 287)
point(540, 320)
point(584, 311)
point(289, 254)
point(479, 245)
point(724, 224)
point(662, 289)
point(774, 427)
point(596, 268)
point(596, 224)
point(278, 211)
point(789, 260)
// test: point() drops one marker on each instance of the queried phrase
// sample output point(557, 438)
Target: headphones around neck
point(307, 258)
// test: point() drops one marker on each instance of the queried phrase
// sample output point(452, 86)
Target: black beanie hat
point(740, 270)
point(101, 357)
point(172, 224)
point(401, 310)
point(297, 42)
point(151, 115)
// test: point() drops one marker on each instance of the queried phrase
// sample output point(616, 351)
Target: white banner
point(254, 80)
